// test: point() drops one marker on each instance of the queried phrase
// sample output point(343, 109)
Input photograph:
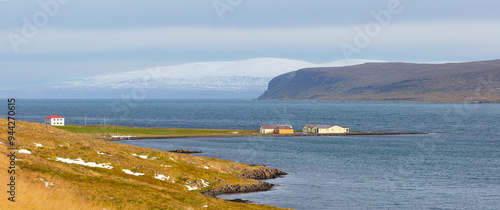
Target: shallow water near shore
point(457, 166)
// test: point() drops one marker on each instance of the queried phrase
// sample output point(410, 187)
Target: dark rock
point(238, 188)
point(262, 173)
point(238, 200)
point(184, 151)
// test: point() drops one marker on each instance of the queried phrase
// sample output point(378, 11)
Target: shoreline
point(258, 174)
point(385, 133)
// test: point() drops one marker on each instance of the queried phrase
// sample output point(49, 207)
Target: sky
point(47, 41)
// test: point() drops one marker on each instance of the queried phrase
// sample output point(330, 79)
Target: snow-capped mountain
point(232, 79)
point(252, 74)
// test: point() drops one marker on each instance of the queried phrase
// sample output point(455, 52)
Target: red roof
point(276, 127)
point(267, 127)
point(284, 127)
point(54, 116)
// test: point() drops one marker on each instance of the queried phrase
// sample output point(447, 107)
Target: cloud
point(476, 34)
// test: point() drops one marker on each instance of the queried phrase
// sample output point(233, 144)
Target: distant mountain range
point(234, 79)
point(471, 82)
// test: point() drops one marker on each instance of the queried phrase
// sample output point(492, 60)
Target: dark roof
point(324, 126)
point(310, 125)
point(276, 127)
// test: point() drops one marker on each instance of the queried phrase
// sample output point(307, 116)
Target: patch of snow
point(141, 156)
point(49, 184)
point(153, 158)
point(205, 184)
point(79, 161)
point(166, 166)
point(61, 145)
point(234, 132)
point(206, 167)
point(191, 188)
point(205, 206)
point(162, 177)
point(38, 145)
point(132, 173)
point(173, 159)
point(24, 151)
point(103, 153)
point(1, 142)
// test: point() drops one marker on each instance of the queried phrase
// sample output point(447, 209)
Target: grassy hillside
point(48, 178)
point(472, 82)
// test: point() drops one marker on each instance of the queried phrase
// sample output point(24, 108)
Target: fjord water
point(456, 166)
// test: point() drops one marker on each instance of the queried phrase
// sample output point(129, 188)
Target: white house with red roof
point(54, 120)
point(267, 129)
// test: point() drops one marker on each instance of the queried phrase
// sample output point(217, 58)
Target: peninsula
point(117, 133)
point(471, 82)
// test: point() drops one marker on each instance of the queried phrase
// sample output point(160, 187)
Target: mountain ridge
point(469, 82)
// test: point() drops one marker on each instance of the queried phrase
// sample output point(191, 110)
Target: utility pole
point(85, 120)
point(104, 123)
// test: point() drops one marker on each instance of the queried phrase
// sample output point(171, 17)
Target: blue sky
point(81, 38)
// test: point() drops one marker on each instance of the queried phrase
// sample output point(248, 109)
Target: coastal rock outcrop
point(261, 173)
point(238, 188)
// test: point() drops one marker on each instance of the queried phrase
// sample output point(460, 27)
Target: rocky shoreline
point(261, 173)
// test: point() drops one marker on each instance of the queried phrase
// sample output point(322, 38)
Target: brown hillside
point(45, 182)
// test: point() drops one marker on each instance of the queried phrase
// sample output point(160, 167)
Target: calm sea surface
point(456, 166)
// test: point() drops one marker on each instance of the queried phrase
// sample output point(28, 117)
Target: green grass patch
point(112, 130)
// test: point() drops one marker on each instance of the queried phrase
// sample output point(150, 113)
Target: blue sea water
point(456, 166)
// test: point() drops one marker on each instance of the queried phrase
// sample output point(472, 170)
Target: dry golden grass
point(83, 187)
point(33, 193)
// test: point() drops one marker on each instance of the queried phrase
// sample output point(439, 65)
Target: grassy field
point(112, 130)
point(46, 180)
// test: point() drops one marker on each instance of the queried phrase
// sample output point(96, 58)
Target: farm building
point(276, 129)
point(54, 120)
point(267, 129)
point(284, 130)
point(329, 129)
point(308, 128)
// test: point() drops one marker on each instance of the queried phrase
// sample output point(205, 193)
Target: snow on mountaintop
point(251, 74)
